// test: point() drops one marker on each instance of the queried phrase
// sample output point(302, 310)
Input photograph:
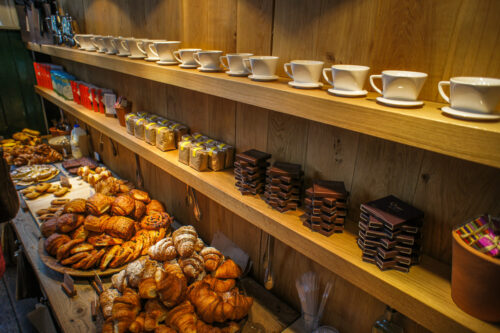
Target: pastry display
point(26, 137)
point(390, 233)
point(19, 155)
point(250, 171)
point(103, 181)
point(103, 231)
point(32, 174)
point(74, 164)
point(283, 186)
point(325, 207)
point(182, 286)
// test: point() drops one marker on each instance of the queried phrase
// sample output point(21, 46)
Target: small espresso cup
point(304, 71)
point(120, 46)
point(400, 85)
point(83, 40)
point(208, 59)
point(185, 56)
point(98, 42)
point(151, 50)
point(347, 77)
point(262, 66)
point(234, 62)
point(135, 47)
point(472, 94)
point(108, 43)
point(164, 50)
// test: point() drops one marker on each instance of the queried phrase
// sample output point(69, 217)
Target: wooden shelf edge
point(424, 294)
point(424, 128)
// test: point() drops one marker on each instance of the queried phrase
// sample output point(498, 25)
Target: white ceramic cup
point(134, 47)
point(208, 59)
point(472, 94)
point(151, 50)
point(98, 43)
point(110, 47)
point(400, 85)
point(234, 62)
point(120, 46)
point(164, 50)
point(83, 40)
point(262, 66)
point(347, 77)
point(304, 71)
point(185, 56)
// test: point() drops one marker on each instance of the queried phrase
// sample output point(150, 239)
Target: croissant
point(123, 205)
point(139, 210)
point(119, 226)
point(76, 206)
point(154, 206)
point(212, 258)
point(182, 318)
point(199, 245)
point(125, 310)
point(228, 270)
point(218, 307)
point(155, 314)
point(155, 221)
point(48, 227)
point(98, 204)
point(147, 288)
point(107, 327)
point(106, 300)
point(171, 284)
point(164, 329)
point(134, 272)
point(120, 281)
point(138, 325)
point(185, 239)
point(69, 222)
point(140, 195)
point(192, 266)
point(218, 285)
point(55, 241)
point(163, 250)
point(231, 327)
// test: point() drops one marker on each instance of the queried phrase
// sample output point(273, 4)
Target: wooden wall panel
point(254, 26)
point(251, 127)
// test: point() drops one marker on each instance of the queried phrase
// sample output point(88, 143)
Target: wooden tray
point(52, 263)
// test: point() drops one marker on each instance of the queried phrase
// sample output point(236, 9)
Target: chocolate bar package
point(250, 171)
point(283, 183)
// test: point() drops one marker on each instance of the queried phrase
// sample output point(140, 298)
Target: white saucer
point(101, 51)
point(348, 93)
point(110, 53)
point(123, 54)
point(172, 62)
point(209, 70)
point(263, 78)
point(137, 57)
point(396, 103)
point(152, 59)
point(237, 73)
point(300, 85)
point(469, 115)
point(188, 66)
point(90, 49)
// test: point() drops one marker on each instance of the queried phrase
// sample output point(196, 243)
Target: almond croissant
point(163, 250)
point(192, 266)
point(185, 239)
point(212, 258)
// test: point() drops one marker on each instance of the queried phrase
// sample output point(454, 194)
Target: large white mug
point(234, 63)
point(152, 54)
point(164, 50)
point(472, 94)
point(304, 71)
point(110, 47)
point(400, 85)
point(208, 59)
point(347, 77)
point(84, 42)
point(185, 57)
point(262, 67)
point(135, 47)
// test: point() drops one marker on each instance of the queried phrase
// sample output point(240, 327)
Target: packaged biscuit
point(130, 122)
point(165, 138)
point(143, 114)
point(152, 117)
point(187, 137)
point(198, 158)
point(139, 125)
point(162, 121)
point(150, 133)
point(184, 148)
point(196, 136)
point(216, 159)
point(229, 154)
point(179, 130)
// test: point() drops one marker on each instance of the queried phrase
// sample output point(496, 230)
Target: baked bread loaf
point(69, 222)
point(155, 220)
point(163, 250)
point(192, 266)
point(171, 284)
point(123, 205)
point(155, 314)
point(76, 206)
point(125, 309)
point(140, 210)
point(228, 270)
point(48, 227)
point(182, 318)
point(212, 258)
point(119, 226)
point(184, 240)
point(54, 241)
point(98, 204)
point(154, 206)
point(140, 195)
point(106, 299)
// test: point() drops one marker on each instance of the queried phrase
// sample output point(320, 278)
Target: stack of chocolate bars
point(283, 184)
point(326, 207)
point(390, 233)
point(250, 171)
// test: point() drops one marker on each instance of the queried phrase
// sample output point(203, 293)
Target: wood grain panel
point(251, 127)
point(254, 26)
point(287, 138)
point(105, 17)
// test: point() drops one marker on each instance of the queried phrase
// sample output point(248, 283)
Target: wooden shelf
point(425, 128)
point(423, 295)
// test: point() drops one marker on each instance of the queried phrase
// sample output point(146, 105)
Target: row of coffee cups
point(399, 88)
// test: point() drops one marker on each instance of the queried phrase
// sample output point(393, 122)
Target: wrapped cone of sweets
point(482, 234)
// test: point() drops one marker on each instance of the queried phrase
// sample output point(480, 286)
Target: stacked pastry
point(250, 171)
point(40, 154)
point(283, 184)
point(105, 231)
point(389, 233)
point(103, 181)
point(325, 207)
point(184, 286)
